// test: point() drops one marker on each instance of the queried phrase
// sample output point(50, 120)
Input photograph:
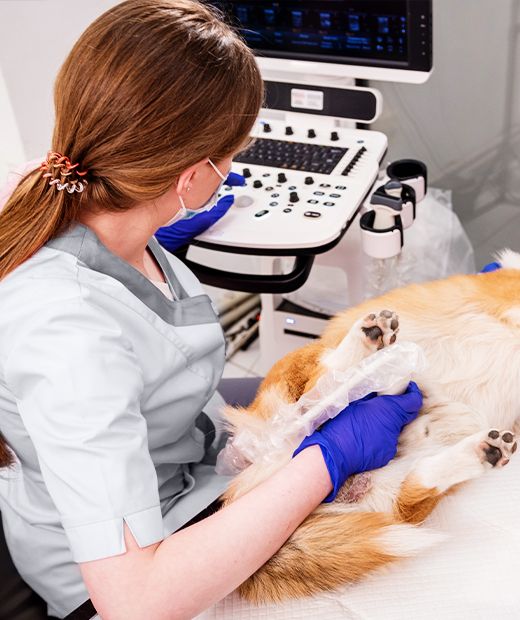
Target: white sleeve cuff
point(104, 539)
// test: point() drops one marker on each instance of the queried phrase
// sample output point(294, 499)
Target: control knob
point(293, 197)
point(309, 180)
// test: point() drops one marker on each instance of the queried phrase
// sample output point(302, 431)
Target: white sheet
point(473, 575)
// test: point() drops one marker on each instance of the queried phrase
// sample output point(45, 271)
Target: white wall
point(35, 38)
point(11, 149)
point(459, 121)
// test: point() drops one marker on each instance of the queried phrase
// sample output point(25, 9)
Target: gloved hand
point(491, 267)
point(182, 232)
point(364, 435)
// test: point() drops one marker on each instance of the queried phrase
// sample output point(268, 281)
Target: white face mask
point(183, 211)
point(179, 215)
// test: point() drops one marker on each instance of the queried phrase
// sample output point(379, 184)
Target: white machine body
point(338, 72)
point(311, 206)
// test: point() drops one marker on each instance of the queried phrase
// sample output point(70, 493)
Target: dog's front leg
point(369, 334)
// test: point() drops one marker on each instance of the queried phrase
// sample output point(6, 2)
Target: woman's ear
point(186, 178)
point(184, 181)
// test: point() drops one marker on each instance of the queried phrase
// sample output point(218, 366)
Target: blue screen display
point(355, 29)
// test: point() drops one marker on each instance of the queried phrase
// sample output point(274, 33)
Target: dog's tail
point(508, 259)
point(333, 548)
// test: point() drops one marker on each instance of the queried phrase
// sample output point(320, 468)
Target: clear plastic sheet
point(435, 246)
point(386, 371)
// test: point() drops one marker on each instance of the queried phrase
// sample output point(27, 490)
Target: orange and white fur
point(469, 330)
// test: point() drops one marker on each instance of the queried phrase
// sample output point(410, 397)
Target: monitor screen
point(393, 34)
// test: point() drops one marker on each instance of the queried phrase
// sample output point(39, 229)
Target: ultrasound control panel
point(304, 186)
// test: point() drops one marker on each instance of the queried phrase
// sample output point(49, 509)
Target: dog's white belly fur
point(477, 363)
point(476, 370)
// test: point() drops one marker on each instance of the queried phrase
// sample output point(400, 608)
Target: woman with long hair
point(110, 351)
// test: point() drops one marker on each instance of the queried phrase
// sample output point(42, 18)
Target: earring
point(188, 188)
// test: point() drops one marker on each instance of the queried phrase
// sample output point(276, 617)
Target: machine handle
point(253, 283)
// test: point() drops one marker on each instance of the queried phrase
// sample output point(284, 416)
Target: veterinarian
point(111, 352)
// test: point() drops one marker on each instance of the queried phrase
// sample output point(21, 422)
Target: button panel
point(288, 197)
point(354, 161)
point(284, 165)
point(302, 156)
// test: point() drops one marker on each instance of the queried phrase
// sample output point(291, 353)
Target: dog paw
point(381, 329)
point(497, 448)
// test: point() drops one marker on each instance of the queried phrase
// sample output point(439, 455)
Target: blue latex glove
point(364, 435)
point(182, 232)
point(491, 267)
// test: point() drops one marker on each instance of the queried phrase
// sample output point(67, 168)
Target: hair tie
point(63, 174)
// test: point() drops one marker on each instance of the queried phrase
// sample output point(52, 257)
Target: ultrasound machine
point(314, 163)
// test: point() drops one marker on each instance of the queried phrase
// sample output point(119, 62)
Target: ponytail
point(51, 212)
point(34, 213)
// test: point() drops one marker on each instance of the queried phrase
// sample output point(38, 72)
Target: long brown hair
point(150, 88)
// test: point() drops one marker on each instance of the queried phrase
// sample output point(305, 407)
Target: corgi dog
point(468, 327)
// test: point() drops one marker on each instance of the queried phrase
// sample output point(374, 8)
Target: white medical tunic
point(102, 384)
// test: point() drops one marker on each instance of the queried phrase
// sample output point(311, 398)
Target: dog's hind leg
point(434, 476)
point(441, 421)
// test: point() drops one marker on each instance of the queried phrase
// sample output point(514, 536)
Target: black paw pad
point(374, 333)
point(498, 447)
point(493, 454)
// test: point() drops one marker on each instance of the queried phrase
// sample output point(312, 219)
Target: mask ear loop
point(216, 169)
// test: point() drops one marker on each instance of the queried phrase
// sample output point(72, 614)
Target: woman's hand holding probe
point(182, 232)
point(364, 435)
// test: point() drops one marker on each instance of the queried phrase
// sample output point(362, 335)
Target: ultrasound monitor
point(368, 39)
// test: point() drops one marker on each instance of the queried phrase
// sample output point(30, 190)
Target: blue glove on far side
point(182, 232)
point(491, 267)
point(364, 435)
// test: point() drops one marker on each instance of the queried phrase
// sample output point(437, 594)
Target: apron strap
point(205, 424)
point(83, 612)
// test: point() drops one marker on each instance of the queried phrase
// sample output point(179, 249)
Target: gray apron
point(50, 521)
